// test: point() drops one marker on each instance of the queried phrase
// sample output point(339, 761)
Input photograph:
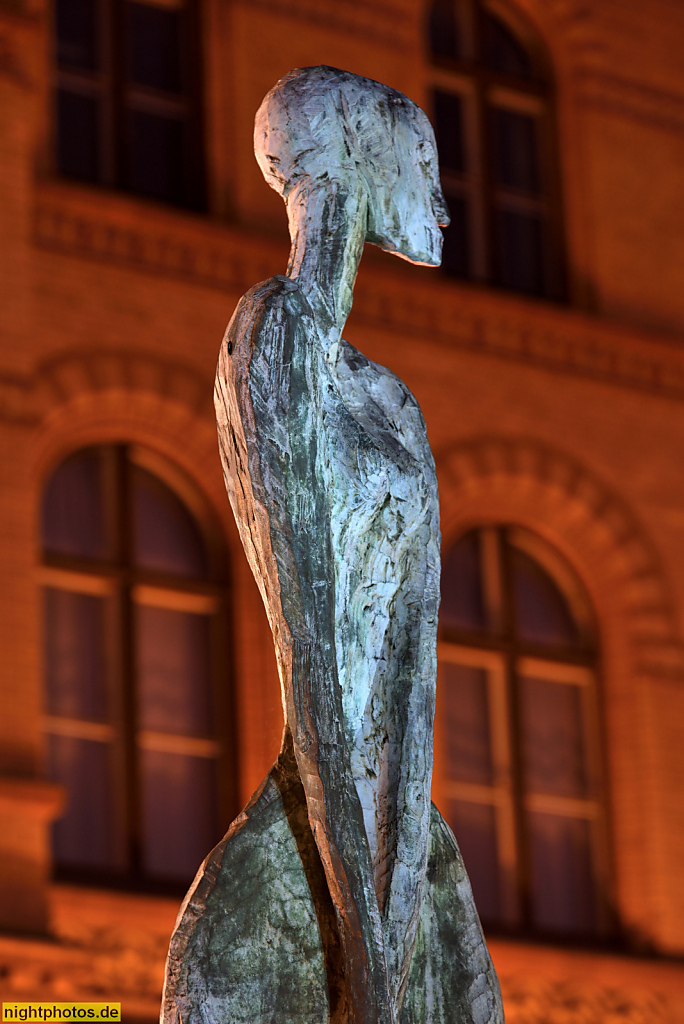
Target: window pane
point(448, 111)
point(78, 136)
point(563, 892)
point(174, 671)
point(74, 513)
point(156, 157)
point(516, 150)
point(179, 822)
point(75, 663)
point(553, 741)
point(521, 248)
point(443, 30)
point(466, 723)
point(462, 605)
point(154, 52)
point(76, 23)
point(456, 251)
point(165, 536)
point(541, 613)
point(502, 51)
point(87, 834)
point(474, 826)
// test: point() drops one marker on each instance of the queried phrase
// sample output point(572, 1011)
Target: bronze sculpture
point(333, 486)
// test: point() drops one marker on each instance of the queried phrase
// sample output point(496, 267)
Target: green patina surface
point(257, 942)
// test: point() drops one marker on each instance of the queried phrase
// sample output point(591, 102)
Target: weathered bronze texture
point(339, 893)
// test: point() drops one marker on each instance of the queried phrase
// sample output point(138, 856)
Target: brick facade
point(566, 419)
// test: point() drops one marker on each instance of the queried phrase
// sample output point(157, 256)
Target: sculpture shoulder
point(267, 310)
point(370, 389)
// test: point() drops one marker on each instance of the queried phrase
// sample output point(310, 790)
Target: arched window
point(135, 670)
point(127, 100)
point(492, 110)
point(518, 737)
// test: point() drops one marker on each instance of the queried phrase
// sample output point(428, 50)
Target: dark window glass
point(466, 723)
point(443, 31)
point(462, 604)
point(154, 50)
point(75, 662)
point(138, 125)
point(78, 136)
point(553, 738)
point(521, 252)
point(563, 890)
point(457, 241)
point(156, 157)
point(76, 24)
point(107, 525)
point(174, 671)
point(516, 150)
point(474, 826)
point(179, 813)
point(74, 515)
point(541, 612)
point(493, 126)
point(165, 536)
point(518, 741)
point(87, 834)
point(448, 109)
point(502, 51)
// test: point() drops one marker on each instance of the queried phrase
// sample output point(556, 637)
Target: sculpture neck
point(328, 231)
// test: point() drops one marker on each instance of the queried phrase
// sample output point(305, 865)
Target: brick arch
point(90, 398)
point(67, 376)
point(567, 26)
point(494, 480)
point(85, 399)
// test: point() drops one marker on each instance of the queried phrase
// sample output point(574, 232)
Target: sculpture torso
point(384, 524)
point(358, 491)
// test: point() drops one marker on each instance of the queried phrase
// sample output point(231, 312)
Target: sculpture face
point(406, 206)
point(322, 129)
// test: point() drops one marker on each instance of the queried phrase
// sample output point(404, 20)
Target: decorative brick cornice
point(535, 335)
point(600, 90)
point(28, 401)
point(386, 23)
point(69, 377)
point(425, 306)
point(167, 243)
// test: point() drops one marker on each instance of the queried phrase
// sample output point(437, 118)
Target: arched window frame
point(479, 91)
point(127, 588)
point(506, 660)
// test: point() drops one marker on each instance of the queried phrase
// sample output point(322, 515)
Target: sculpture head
point(324, 129)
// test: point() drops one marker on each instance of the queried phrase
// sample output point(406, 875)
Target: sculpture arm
point(268, 411)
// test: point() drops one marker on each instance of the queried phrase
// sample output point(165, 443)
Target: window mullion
point(597, 792)
point(485, 269)
point(523, 865)
point(127, 662)
point(507, 845)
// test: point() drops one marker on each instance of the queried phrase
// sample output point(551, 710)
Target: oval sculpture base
point(256, 940)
